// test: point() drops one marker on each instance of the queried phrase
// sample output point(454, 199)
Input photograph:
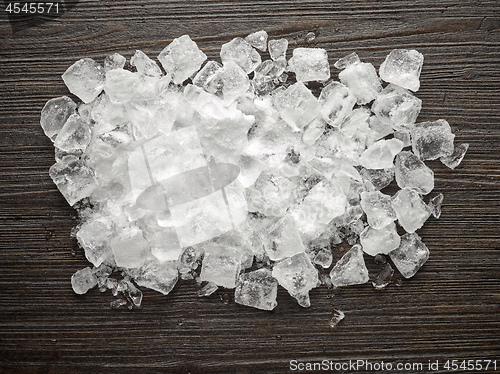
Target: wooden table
point(449, 310)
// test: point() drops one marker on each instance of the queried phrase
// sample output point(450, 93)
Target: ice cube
point(384, 277)
point(277, 48)
point(404, 136)
point(410, 255)
point(350, 269)
point(94, 237)
point(83, 280)
point(207, 289)
point(380, 178)
point(380, 155)
point(205, 76)
point(74, 135)
point(310, 64)
point(120, 87)
point(157, 276)
point(298, 276)
point(145, 66)
point(297, 105)
point(432, 140)
point(271, 195)
point(85, 79)
point(378, 209)
point(241, 52)
point(344, 62)
point(285, 240)
point(362, 80)
point(337, 102)
point(411, 172)
point(383, 240)
point(221, 265)
point(323, 258)
point(402, 67)
point(257, 289)
point(73, 178)
point(258, 40)
point(129, 247)
point(456, 157)
point(54, 115)
point(435, 205)
point(410, 209)
point(181, 58)
point(313, 131)
point(114, 61)
point(233, 80)
point(397, 107)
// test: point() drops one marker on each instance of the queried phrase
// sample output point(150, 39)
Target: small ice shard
point(397, 107)
point(323, 258)
point(257, 289)
point(55, 114)
point(258, 40)
point(412, 172)
point(456, 157)
point(241, 52)
point(298, 276)
point(362, 80)
point(205, 76)
point(285, 240)
point(432, 140)
point(410, 255)
point(310, 64)
point(402, 67)
point(207, 289)
point(277, 48)
point(378, 209)
point(380, 178)
point(297, 105)
point(94, 237)
point(114, 61)
point(115, 304)
point(83, 280)
point(383, 240)
point(73, 178)
point(380, 155)
point(337, 102)
point(130, 248)
point(410, 209)
point(181, 58)
point(145, 66)
point(337, 316)
point(383, 278)
point(344, 62)
point(74, 135)
point(310, 36)
point(221, 265)
point(85, 79)
point(157, 276)
point(435, 205)
point(350, 269)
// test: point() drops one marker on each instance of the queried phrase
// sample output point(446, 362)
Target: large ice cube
point(350, 269)
point(383, 240)
point(297, 105)
point(310, 64)
point(54, 115)
point(257, 289)
point(85, 79)
point(378, 209)
point(410, 255)
point(221, 265)
point(181, 58)
point(380, 155)
point(412, 172)
point(403, 67)
point(241, 52)
point(410, 209)
point(362, 80)
point(432, 140)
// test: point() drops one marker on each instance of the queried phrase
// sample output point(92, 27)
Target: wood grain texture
point(449, 310)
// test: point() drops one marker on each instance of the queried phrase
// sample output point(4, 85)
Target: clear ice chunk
point(310, 64)
point(157, 276)
point(410, 255)
point(362, 80)
point(344, 62)
point(257, 289)
point(258, 40)
point(74, 135)
point(410, 209)
point(380, 178)
point(432, 140)
point(83, 280)
point(298, 276)
point(181, 58)
point(114, 61)
point(435, 205)
point(205, 76)
point(337, 316)
point(383, 277)
point(297, 105)
point(350, 269)
point(130, 248)
point(380, 155)
point(402, 67)
point(85, 79)
point(221, 265)
point(337, 102)
point(383, 240)
point(277, 48)
point(285, 240)
point(120, 87)
point(242, 53)
point(55, 114)
point(378, 209)
point(208, 289)
point(145, 66)
point(411, 172)
point(323, 258)
point(94, 237)
point(456, 157)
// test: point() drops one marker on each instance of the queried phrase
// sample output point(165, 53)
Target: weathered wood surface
point(449, 310)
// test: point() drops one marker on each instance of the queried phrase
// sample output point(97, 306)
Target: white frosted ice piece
point(410, 209)
point(83, 280)
point(350, 269)
point(205, 76)
point(402, 67)
point(85, 79)
point(378, 209)
point(277, 48)
point(337, 102)
point(410, 255)
point(323, 258)
point(121, 85)
point(285, 240)
point(362, 80)
point(241, 52)
point(379, 178)
point(221, 265)
point(380, 155)
point(456, 157)
point(144, 65)
point(130, 248)
point(297, 105)
point(74, 135)
point(344, 62)
point(94, 237)
point(258, 40)
point(157, 276)
point(54, 115)
point(310, 64)
point(432, 140)
point(411, 172)
point(257, 289)
point(383, 240)
point(114, 61)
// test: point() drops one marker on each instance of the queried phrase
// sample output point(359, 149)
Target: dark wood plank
point(449, 310)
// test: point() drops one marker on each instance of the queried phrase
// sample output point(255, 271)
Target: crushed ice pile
point(236, 175)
